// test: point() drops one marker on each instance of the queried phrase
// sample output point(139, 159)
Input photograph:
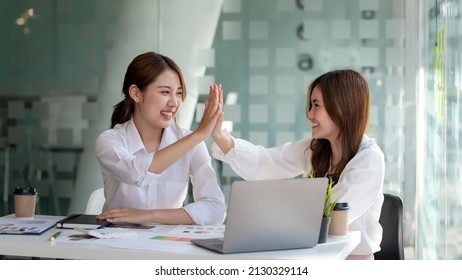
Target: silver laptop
point(271, 215)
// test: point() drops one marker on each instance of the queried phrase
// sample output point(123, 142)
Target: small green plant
point(332, 196)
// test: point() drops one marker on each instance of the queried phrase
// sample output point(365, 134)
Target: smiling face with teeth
point(157, 106)
point(322, 125)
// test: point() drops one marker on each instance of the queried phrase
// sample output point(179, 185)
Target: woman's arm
point(209, 201)
point(255, 162)
point(139, 216)
point(116, 161)
point(363, 179)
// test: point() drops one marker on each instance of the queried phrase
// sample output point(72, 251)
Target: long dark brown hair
point(346, 99)
point(142, 71)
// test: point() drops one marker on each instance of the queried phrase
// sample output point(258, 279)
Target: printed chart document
point(76, 237)
point(195, 231)
point(12, 225)
point(152, 237)
point(176, 240)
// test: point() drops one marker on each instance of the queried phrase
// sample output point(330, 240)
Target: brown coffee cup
point(339, 219)
point(24, 201)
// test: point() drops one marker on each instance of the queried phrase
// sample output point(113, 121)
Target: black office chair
point(391, 220)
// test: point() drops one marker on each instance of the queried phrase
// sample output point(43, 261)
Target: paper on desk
point(176, 240)
point(195, 231)
point(25, 225)
point(153, 241)
point(76, 237)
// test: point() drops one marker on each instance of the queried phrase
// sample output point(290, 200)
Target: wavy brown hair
point(142, 71)
point(346, 99)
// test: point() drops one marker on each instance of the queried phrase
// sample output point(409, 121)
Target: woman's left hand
point(212, 112)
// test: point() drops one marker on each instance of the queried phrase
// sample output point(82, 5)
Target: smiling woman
point(338, 108)
point(147, 159)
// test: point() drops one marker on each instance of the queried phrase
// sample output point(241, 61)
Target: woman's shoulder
point(116, 130)
point(369, 146)
point(118, 135)
point(368, 143)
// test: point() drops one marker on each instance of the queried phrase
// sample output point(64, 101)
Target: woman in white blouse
point(147, 160)
point(338, 109)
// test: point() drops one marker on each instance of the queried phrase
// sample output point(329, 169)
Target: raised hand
point(212, 112)
point(224, 141)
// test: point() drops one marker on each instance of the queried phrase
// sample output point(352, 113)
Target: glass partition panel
point(439, 132)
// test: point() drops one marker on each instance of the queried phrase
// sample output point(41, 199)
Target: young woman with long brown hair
point(338, 109)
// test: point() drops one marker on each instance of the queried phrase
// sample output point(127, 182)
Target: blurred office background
point(62, 64)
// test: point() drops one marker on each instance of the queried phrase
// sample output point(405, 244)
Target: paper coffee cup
point(339, 219)
point(24, 201)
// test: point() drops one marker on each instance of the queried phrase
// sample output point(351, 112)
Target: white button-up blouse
point(124, 163)
point(362, 177)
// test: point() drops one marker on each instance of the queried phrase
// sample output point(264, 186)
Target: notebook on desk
point(84, 221)
point(89, 222)
point(271, 215)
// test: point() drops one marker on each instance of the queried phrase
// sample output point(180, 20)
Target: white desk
point(41, 247)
